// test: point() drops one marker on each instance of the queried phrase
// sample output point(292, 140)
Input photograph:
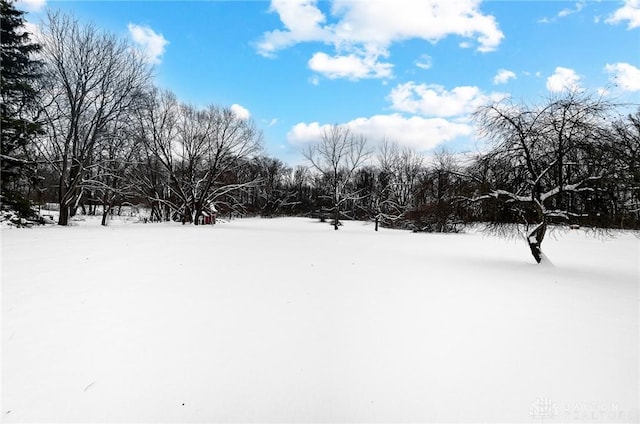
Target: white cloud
point(31, 5)
point(416, 132)
point(349, 66)
point(435, 100)
point(624, 75)
point(436, 116)
point(629, 12)
point(151, 43)
point(269, 122)
point(566, 12)
point(563, 13)
point(302, 21)
point(503, 76)
point(362, 32)
point(240, 111)
point(563, 79)
point(383, 22)
point(302, 133)
point(424, 62)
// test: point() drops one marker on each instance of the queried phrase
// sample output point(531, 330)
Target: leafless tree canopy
point(91, 79)
point(337, 156)
point(544, 158)
point(197, 151)
point(400, 170)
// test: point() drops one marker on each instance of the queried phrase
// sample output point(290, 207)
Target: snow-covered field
point(286, 320)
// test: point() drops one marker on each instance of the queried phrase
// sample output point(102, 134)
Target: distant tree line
point(84, 127)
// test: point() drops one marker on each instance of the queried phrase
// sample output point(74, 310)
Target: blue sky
point(406, 70)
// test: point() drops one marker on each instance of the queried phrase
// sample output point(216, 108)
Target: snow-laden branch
point(576, 187)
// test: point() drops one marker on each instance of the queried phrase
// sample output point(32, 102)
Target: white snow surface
point(287, 320)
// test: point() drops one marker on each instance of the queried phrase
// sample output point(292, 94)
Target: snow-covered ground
point(286, 320)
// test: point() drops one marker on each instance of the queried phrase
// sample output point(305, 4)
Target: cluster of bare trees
point(111, 137)
point(90, 84)
point(191, 158)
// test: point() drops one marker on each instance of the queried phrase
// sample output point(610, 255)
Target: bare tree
point(156, 127)
point(337, 156)
point(110, 180)
point(91, 78)
point(198, 150)
point(232, 141)
point(400, 170)
point(542, 159)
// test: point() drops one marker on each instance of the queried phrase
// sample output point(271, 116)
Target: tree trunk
point(155, 215)
point(63, 219)
point(535, 238)
point(336, 218)
point(105, 213)
point(377, 220)
point(186, 217)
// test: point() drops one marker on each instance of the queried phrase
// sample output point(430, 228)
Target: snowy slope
point(286, 320)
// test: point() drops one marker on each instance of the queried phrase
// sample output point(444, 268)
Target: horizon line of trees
point(83, 126)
